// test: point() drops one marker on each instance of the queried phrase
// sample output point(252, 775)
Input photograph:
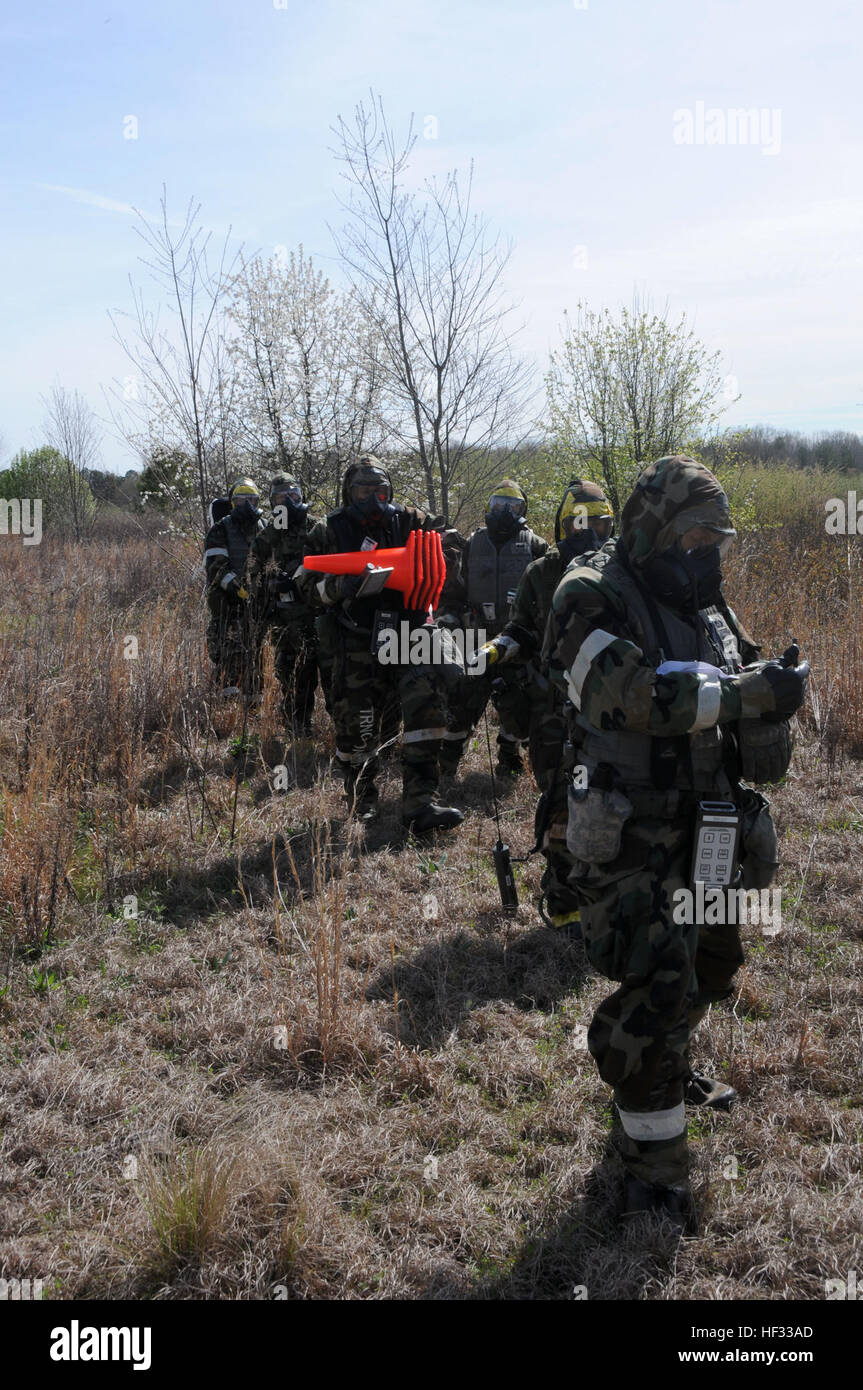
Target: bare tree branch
point(427, 272)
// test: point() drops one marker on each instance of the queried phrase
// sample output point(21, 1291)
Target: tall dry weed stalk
point(798, 582)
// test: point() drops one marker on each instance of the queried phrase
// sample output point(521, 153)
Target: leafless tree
point(178, 391)
point(429, 275)
point(71, 429)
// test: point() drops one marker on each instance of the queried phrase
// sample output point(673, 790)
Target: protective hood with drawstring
point(670, 497)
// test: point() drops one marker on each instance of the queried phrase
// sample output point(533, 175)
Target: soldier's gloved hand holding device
point(770, 693)
point(364, 585)
point(233, 588)
point(765, 741)
point(776, 689)
point(284, 588)
point(369, 584)
point(500, 649)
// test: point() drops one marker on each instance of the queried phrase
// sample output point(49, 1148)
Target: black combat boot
point(432, 817)
point(656, 1199)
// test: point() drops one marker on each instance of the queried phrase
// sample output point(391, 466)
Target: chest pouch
point(717, 835)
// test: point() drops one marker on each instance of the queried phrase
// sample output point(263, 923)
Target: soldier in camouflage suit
point(670, 707)
point(226, 553)
point(583, 525)
point(491, 565)
point(362, 685)
point(277, 554)
point(451, 616)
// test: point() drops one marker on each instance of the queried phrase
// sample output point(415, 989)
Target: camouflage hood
point(367, 469)
point(670, 496)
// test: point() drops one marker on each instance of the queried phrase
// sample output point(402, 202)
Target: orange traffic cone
point(418, 568)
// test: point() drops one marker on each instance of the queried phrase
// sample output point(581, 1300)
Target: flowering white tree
point(625, 390)
point(308, 370)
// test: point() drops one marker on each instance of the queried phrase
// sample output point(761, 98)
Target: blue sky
point(569, 113)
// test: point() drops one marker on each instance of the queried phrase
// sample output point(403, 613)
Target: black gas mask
point(582, 539)
point(505, 516)
point(370, 503)
point(291, 498)
point(246, 511)
point(685, 580)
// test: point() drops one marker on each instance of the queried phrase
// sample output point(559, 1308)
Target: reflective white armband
point(592, 645)
point(709, 702)
point(652, 1125)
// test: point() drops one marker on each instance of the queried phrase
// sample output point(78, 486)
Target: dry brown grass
point(327, 1092)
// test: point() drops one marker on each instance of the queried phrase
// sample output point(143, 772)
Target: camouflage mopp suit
point(583, 524)
point(278, 607)
point(663, 715)
point(230, 628)
point(364, 688)
point(491, 563)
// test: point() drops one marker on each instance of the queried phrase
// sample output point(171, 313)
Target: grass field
point(311, 1061)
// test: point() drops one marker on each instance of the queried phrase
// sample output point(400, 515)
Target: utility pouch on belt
point(758, 840)
point(385, 622)
point(765, 749)
point(717, 833)
point(595, 824)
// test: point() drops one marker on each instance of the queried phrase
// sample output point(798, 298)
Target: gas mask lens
point(506, 506)
point(292, 495)
point(699, 537)
point(722, 543)
point(361, 492)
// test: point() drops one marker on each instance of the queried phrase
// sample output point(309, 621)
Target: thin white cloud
point(95, 200)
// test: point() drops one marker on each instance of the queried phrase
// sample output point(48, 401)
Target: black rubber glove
point(284, 583)
point(349, 584)
point(788, 684)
